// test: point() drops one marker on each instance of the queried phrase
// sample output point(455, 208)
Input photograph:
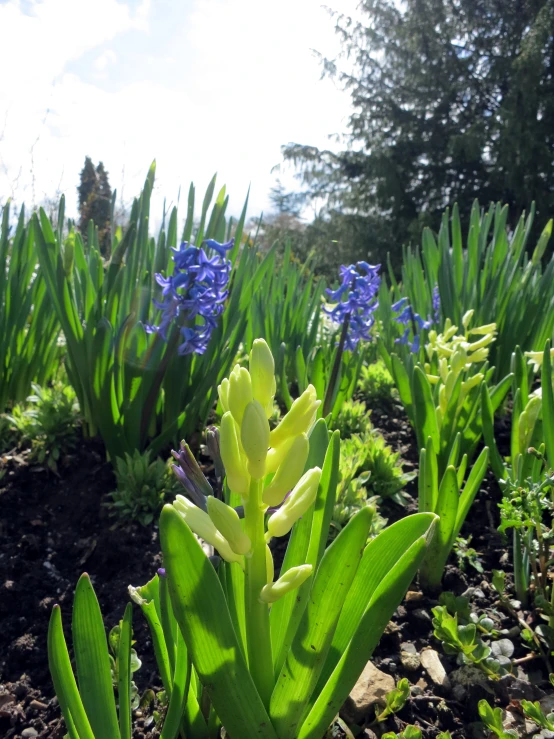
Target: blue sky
point(202, 86)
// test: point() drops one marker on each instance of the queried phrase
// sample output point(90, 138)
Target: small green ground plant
point(376, 383)
point(143, 485)
point(49, 423)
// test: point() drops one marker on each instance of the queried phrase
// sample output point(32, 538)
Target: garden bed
point(54, 528)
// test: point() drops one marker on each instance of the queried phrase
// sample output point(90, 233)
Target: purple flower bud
point(191, 476)
point(161, 572)
point(212, 443)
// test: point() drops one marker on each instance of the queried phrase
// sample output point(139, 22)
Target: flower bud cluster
point(274, 461)
point(456, 354)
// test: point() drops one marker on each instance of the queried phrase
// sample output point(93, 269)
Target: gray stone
point(28, 733)
point(371, 688)
point(410, 661)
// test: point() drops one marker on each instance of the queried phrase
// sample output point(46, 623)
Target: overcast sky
point(202, 86)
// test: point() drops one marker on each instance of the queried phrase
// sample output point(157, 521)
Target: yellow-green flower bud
point(254, 435)
point(240, 392)
point(488, 328)
point(289, 472)
point(235, 468)
point(449, 332)
point(466, 319)
point(485, 341)
point(228, 523)
point(298, 419)
point(202, 525)
point(262, 372)
point(526, 422)
point(291, 580)
point(275, 455)
point(472, 382)
point(296, 505)
point(480, 355)
point(269, 565)
point(223, 392)
point(458, 361)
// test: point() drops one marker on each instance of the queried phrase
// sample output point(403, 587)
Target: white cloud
point(104, 60)
point(250, 85)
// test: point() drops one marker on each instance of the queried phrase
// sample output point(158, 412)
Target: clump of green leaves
point(353, 418)
point(370, 453)
point(412, 732)
point(469, 636)
point(467, 555)
point(376, 382)
point(532, 710)
point(142, 487)
point(49, 424)
point(395, 699)
point(528, 509)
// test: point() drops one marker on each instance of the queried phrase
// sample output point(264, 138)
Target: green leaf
point(309, 649)
point(92, 662)
point(424, 410)
point(124, 673)
point(385, 600)
point(548, 404)
point(73, 711)
point(203, 616)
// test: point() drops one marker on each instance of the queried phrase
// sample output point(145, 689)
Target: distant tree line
point(452, 100)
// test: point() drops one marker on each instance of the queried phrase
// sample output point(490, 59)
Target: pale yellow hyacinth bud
point(296, 505)
point(269, 565)
point(289, 472)
point(488, 328)
point(448, 333)
point(298, 419)
point(202, 525)
point(458, 361)
point(485, 341)
point(479, 356)
point(240, 392)
point(254, 435)
point(291, 580)
point(262, 372)
point(466, 319)
point(235, 468)
point(228, 524)
point(275, 455)
point(223, 392)
point(526, 422)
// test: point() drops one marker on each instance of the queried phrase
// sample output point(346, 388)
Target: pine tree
point(95, 196)
point(452, 100)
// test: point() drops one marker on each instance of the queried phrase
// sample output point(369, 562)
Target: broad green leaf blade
point(424, 410)
point(202, 614)
point(470, 490)
point(124, 673)
point(439, 548)
point(64, 680)
point(379, 558)
point(369, 630)
point(305, 659)
point(92, 662)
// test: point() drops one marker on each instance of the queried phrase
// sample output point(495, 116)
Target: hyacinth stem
point(260, 658)
point(330, 393)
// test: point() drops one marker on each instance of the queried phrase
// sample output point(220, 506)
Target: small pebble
point(30, 732)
